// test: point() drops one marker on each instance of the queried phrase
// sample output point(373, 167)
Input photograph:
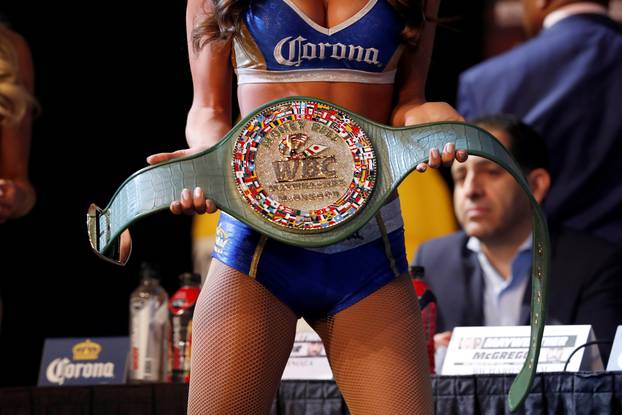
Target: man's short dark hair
point(526, 145)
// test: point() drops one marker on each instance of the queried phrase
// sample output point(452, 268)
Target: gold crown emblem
point(87, 350)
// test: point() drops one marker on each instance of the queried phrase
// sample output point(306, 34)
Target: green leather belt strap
point(397, 150)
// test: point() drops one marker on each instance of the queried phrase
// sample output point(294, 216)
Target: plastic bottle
point(181, 308)
point(148, 329)
point(427, 303)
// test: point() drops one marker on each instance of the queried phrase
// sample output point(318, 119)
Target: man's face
point(487, 200)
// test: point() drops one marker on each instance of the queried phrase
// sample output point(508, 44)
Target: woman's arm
point(17, 195)
point(209, 118)
point(412, 107)
point(411, 81)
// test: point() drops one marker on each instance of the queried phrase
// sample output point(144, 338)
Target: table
point(552, 393)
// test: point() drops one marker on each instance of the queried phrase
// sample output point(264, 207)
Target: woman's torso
point(372, 100)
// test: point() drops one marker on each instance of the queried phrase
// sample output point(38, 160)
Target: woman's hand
point(429, 112)
point(190, 202)
point(446, 158)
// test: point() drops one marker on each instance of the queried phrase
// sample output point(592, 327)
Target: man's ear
point(539, 182)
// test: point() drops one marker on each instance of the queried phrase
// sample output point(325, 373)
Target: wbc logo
point(301, 162)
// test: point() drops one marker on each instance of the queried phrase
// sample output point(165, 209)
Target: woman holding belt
point(370, 57)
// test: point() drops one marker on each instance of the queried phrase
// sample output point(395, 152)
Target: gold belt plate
point(305, 166)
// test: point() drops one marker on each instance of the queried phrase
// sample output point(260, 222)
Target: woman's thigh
point(377, 352)
point(242, 337)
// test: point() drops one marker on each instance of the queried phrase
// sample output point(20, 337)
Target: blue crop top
point(279, 43)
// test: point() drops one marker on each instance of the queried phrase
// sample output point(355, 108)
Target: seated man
point(480, 275)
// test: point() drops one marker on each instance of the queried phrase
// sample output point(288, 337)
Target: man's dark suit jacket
point(567, 83)
point(585, 286)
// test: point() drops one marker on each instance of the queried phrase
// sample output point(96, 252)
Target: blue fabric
point(271, 21)
point(567, 83)
point(312, 284)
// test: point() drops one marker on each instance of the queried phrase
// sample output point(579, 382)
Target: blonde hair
point(14, 98)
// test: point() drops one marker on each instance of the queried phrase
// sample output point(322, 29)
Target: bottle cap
point(149, 271)
point(190, 278)
point(417, 271)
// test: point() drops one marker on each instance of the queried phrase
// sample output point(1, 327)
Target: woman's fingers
point(462, 155)
point(160, 157)
point(175, 207)
point(446, 158)
point(449, 154)
point(434, 160)
point(191, 203)
point(198, 200)
point(187, 203)
point(210, 206)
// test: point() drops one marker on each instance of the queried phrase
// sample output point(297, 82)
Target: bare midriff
point(372, 101)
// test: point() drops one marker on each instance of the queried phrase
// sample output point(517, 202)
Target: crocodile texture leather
point(398, 151)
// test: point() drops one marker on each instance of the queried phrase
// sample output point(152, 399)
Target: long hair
point(14, 98)
point(224, 21)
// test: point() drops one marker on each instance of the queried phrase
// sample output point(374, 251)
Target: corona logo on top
point(83, 361)
point(86, 350)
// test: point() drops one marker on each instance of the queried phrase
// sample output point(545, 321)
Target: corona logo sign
point(79, 361)
point(292, 51)
point(61, 370)
point(87, 350)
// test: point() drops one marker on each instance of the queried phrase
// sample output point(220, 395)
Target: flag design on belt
point(314, 150)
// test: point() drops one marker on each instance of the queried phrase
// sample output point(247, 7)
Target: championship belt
point(309, 173)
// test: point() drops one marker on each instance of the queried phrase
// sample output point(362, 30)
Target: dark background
point(114, 86)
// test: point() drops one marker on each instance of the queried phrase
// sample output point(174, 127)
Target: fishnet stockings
point(377, 352)
point(242, 338)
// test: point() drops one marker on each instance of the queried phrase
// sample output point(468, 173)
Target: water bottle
point(181, 308)
point(427, 303)
point(148, 329)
